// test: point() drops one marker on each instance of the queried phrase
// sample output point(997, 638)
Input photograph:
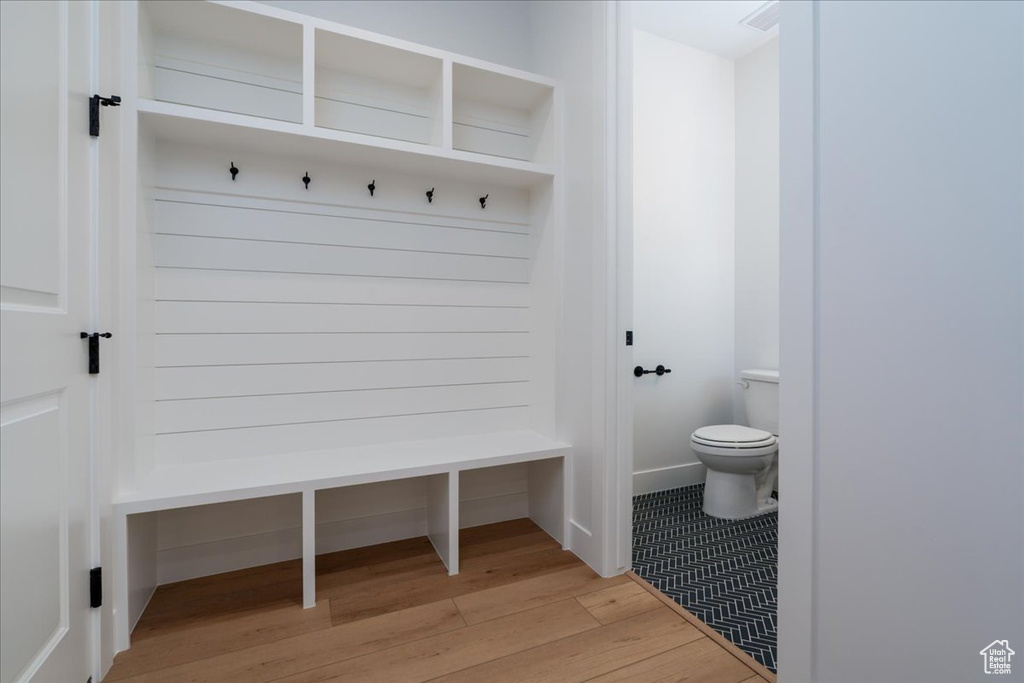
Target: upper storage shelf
point(207, 55)
point(501, 115)
point(211, 64)
point(374, 89)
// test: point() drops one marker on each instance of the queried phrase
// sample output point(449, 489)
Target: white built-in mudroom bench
point(340, 264)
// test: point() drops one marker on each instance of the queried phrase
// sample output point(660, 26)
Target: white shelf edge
point(327, 469)
point(529, 171)
point(447, 105)
point(308, 77)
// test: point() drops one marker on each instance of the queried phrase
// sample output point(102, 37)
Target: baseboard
point(241, 552)
point(581, 529)
point(662, 478)
point(584, 546)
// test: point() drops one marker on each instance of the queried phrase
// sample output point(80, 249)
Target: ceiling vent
point(765, 18)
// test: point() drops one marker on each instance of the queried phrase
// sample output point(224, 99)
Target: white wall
point(903, 339)
point(496, 30)
point(757, 211)
point(683, 241)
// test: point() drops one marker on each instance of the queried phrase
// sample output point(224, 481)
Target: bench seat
point(438, 460)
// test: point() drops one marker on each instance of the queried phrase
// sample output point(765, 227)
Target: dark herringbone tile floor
point(722, 571)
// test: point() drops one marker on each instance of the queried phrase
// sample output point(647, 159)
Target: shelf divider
point(447, 117)
point(308, 75)
point(309, 548)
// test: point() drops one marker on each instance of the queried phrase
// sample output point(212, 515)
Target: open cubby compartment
point(172, 545)
point(215, 57)
point(501, 115)
point(532, 491)
point(374, 89)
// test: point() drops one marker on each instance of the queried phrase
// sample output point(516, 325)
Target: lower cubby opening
point(433, 535)
point(368, 599)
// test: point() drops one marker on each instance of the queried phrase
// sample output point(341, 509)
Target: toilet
point(742, 461)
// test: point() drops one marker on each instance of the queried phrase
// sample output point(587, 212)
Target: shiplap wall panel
point(291, 320)
point(216, 317)
point(288, 81)
point(404, 204)
point(381, 121)
point(199, 86)
point(193, 415)
point(375, 93)
point(188, 447)
point(489, 129)
point(498, 143)
point(288, 221)
point(174, 284)
point(256, 380)
point(275, 183)
point(267, 50)
point(175, 251)
point(255, 349)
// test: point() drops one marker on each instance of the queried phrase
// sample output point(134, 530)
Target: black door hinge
point(94, 111)
point(629, 337)
point(94, 349)
point(96, 587)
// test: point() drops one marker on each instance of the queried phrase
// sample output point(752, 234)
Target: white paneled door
point(45, 226)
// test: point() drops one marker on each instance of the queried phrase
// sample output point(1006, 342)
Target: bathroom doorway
point(704, 170)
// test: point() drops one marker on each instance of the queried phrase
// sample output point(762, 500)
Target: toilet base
point(734, 496)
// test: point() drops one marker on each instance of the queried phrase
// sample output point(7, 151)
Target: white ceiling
point(709, 25)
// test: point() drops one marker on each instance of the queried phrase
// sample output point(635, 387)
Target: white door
point(45, 225)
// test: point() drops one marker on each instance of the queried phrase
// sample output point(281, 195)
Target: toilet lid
point(733, 436)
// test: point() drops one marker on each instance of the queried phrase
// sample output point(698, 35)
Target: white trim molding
point(623, 297)
point(617, 306)
point(671, 477)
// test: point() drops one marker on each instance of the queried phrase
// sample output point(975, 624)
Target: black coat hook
point(430, 196)
point(483, 201)
point(372, 186)
point(306, 179)
point(234, 171)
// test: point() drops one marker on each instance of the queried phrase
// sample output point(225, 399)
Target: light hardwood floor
point(522, 609)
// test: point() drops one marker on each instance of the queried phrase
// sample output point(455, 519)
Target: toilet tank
point(761, 398)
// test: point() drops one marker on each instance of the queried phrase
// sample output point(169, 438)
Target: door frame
point(799, 78)
point(104, 221)
point(619, 274)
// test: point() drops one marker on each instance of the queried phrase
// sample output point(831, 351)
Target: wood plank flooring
point(522, 609)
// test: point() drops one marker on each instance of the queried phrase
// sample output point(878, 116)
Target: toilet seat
point(735, 456)
point(733, 438)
